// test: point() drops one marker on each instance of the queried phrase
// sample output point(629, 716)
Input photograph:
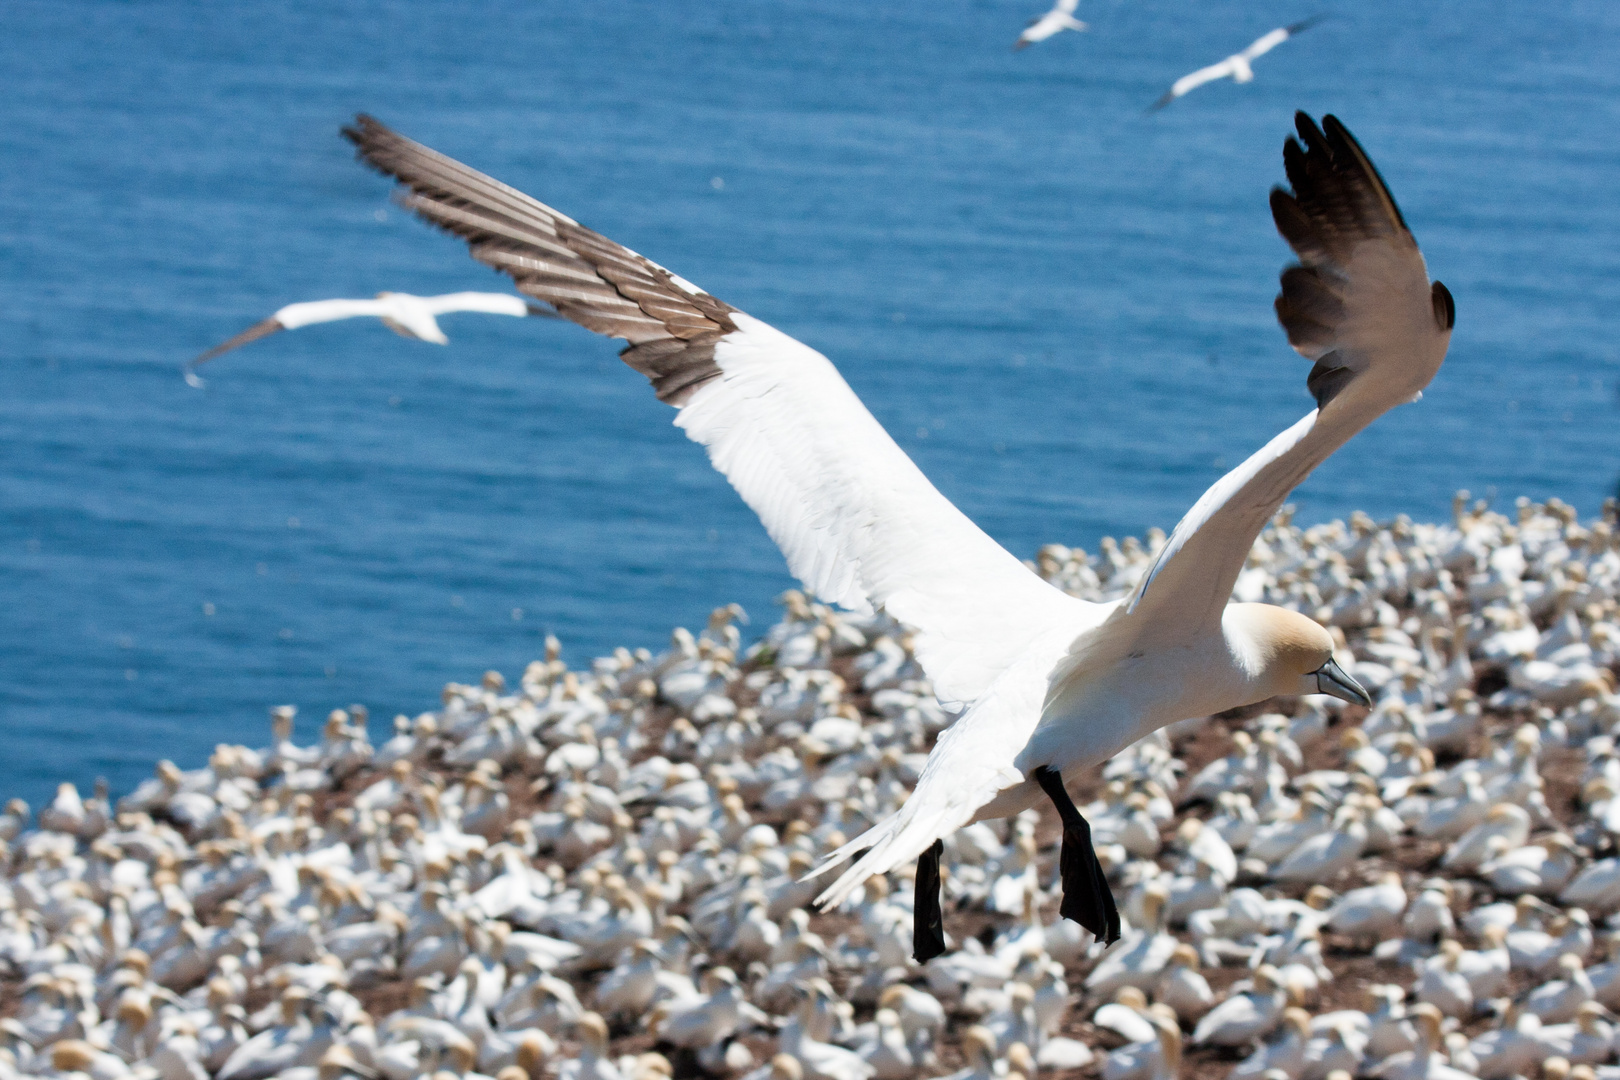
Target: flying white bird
point(404, 314)
point(1060, 18)
point(1237, 66)
point(1051, 684)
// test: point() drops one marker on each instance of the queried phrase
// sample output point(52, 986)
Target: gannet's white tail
point(964, 773)
point(897, 839)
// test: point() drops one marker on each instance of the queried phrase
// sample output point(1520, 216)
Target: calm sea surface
point(1059, 306)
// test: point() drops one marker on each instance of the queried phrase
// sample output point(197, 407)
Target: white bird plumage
point(406, 315)
point(1239, 66)
point(1055, 21)
point(1051, 684)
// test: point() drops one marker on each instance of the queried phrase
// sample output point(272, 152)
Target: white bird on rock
point(1052, 684)
point(1126, 1016)
point(1250, 1013)
point(1371, 911)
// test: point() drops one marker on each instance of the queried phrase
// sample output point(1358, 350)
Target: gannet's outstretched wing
point(1190, 82)
point(1359, 303)
point(292, 317)
point(485, 303)
point(253, 333)
point(1266, 42)
point(857, 520)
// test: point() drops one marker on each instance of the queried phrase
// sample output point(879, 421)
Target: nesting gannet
point(1051, 684)
point(1060, 18)
point(1237, 67)
point(406, 315)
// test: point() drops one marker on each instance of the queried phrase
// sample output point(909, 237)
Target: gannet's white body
point(1050, 684)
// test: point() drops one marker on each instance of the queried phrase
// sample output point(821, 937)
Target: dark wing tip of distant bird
point(1305, 24)
point(1169, 96)
point(587, 278)
point(252, 333)
point(544, 311)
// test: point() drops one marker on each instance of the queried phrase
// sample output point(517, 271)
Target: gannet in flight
point(1237, 66)
point(404, 314)
point(1051, 684)
point(1060, 18)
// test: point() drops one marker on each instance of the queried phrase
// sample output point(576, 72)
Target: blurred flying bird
point(404, 314)
point(1237, 66)
point(1060, 18)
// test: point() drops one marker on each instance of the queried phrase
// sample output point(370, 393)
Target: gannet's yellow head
point(1293, 654)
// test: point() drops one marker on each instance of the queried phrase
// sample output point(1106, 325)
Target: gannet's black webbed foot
point(1086, 896)
point(928, 919)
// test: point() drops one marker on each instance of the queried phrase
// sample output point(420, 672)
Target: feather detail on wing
point(1360, 305)
point(670, 324)
point(859, 523)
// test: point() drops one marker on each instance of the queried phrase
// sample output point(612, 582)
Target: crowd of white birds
point(597, 874)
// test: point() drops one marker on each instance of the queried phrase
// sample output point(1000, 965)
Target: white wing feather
point(1188, 83)
point(1265, 43)
point(857, 520)
point(1215, 500)
point(487, 303)
point(311, 312)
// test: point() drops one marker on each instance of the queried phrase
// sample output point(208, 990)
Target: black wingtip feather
point(1445, 308)
point(1351, 148)
point(1327, 378)
point(1291, 221)
point(1309, 133)
point(1339, 195)
point(360, 132)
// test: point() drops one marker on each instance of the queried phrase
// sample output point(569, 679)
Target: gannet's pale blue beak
point(1331, 679)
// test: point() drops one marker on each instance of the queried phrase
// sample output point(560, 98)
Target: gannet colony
point(597, 873)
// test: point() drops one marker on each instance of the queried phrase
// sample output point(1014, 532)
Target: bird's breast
point(1097, 709)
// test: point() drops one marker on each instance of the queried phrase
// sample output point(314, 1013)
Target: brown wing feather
point(252, 333)
point(1339, 202)
point(587, 278)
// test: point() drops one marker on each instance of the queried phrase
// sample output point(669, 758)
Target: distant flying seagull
point(1237, 66)
point(404, 314)
point(1050, 684)
point(1060, 18)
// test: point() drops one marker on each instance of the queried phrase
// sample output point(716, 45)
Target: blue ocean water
point(1061, 307)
